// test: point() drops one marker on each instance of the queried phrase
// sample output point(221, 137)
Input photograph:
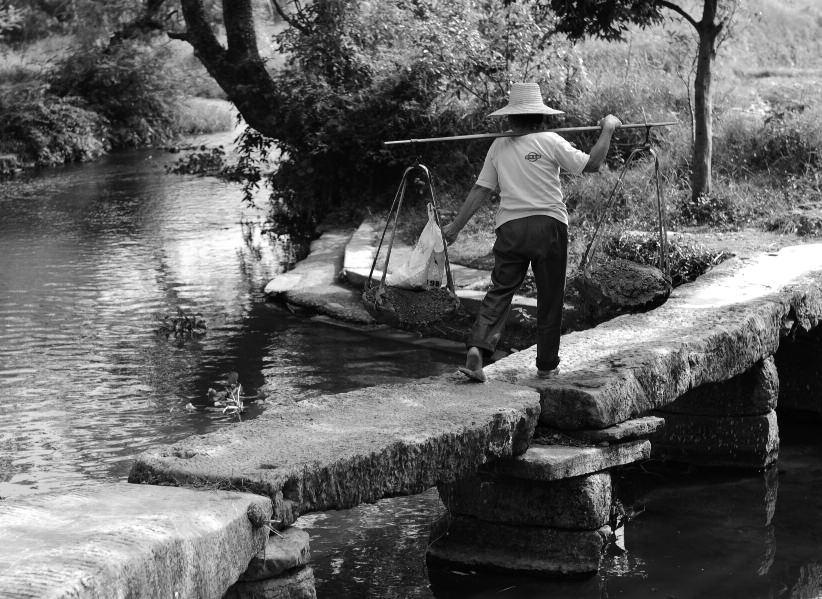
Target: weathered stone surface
point(554, 462)
point(737, 441)
point(314, 283)
point(285, 550)
point(616, 286)
point(341, 450)
point(808, 581)
point(296, 584)
point(579, 503)
point(799, 361)
point(708, 331)
point(751, 393)
point(636, 428)
point(120, 540)
point(536, 550)
point(332, 300)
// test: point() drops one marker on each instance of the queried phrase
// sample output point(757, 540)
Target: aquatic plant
point(200, 160)
point(230, 398)
point(183, 326)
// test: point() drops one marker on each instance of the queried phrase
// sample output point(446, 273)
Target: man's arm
point(476, 197)
point(597, 154)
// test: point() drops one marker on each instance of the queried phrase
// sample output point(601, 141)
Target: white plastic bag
point(425, 266)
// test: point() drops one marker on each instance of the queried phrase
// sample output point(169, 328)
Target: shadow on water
point(694, 533)
point(92, 258)
point(91, 255)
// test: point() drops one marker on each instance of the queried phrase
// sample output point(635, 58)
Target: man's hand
point(610, 122)
point(450, 232)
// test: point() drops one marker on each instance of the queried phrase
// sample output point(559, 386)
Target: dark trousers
point(542, 242)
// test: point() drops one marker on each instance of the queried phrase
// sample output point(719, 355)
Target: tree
point(237, 67)
point(609, 20)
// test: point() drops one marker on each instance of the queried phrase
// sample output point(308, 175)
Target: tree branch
point(178, 35)
point(679, 11)
point(287, 18)
point(199, 33)
point(239, 70)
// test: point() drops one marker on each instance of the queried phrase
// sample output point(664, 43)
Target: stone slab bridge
point(523, 464)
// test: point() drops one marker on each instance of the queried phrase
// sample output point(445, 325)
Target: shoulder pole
point(562, 130)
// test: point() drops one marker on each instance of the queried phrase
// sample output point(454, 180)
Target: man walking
point(531, 223)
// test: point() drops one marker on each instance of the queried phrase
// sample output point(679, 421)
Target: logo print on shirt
point(532, 156)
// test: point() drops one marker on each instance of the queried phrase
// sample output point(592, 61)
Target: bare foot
point(473, 365)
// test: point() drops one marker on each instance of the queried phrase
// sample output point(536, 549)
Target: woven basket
point(409, 309)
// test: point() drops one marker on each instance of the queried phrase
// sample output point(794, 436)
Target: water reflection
point(91, 257)
point(697, 533)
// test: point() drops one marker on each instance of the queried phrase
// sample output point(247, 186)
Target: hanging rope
point(590, 249)
point(405, 308)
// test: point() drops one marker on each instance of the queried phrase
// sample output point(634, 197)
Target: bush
point(787, 143)
point(686, 260)
point(715, 210)
point(361, 74)
point(128, 85)
point(48, 130)
point(634, 204)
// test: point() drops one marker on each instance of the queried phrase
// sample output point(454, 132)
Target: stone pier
point(519, 499)
point(547, 512)
point(732, 423)
point(799, 361)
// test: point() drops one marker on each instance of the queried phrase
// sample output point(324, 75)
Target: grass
point(205, 115)
point(767, 128)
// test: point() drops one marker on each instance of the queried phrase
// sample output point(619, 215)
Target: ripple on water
point(92, 257)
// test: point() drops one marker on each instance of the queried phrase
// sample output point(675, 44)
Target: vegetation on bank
point(71, 92)
point(368, 72)
point(349, 75)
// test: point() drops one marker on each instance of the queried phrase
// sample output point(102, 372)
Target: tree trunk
point(703, 102)
point(238, 69)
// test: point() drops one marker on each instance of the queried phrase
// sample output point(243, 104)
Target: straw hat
point(525, 98)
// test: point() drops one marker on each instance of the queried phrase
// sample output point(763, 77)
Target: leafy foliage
point(230, 397)
point(608, 20)
point(686, 260)
point(362, 73)
point(200, 161)
point(127, 84)
point(48, 130)
point(787, 143)
point(715, 210)
point(183, 326)
point(11, 19)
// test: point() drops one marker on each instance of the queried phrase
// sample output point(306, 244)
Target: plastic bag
point(425, 266)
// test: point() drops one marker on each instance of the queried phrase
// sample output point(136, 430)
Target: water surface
point(92, 257)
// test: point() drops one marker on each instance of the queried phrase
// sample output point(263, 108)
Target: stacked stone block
point(799, 361)
point(279, 571)
point(546, 512)
point(730, 424)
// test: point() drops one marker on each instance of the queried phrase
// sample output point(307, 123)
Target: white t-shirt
point(525, 169)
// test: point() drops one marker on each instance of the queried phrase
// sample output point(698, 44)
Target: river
point(92, 257)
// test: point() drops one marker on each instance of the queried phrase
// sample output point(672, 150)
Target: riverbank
point(69, 98)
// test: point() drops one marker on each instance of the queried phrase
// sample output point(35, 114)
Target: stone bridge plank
point(120, 540)
point(341, 450)
point(708, 331)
